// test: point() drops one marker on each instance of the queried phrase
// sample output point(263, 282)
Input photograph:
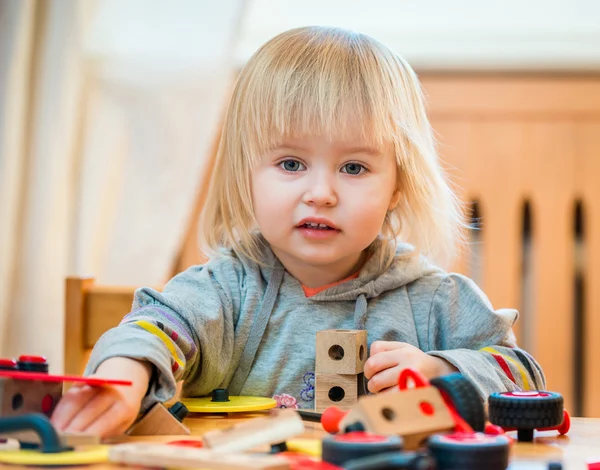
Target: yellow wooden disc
point(310, 447)
point(81, 456)
point(235, 404)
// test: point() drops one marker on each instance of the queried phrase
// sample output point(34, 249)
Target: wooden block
point(336, 390)
point(75, 440)
point(278, 427)
point(414, 414)
point(161, 455)
point(19, 397)
point(158, 422)
point(341, 351)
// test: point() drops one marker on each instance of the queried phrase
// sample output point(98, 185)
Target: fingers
point(70, 405)
point(386, 379)
point(92, 411)
point(382, 360)
point(382, 346)
point(112, 422)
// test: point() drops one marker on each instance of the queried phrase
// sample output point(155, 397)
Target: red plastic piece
point(47, 404)
point(527, 394)
point(186, 443)
point(461, 424)
point(361, 436)
point(427, 408)
point(300, 461)
point(8, 363)
point(493, 429)
point(468, 438)
point(331, 418)
point(418, 379)
point(36, 359)
point(43, 377)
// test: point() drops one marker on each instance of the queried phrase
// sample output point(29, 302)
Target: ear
point(394, 200)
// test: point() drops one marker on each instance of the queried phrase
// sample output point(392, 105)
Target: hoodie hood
point(407, 266)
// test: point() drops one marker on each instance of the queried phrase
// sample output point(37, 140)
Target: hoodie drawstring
point(360, 320)
point(360, 312)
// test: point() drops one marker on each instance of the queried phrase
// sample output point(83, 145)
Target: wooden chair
point(90, 310)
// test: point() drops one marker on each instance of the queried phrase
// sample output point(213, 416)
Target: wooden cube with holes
point(18, 397)
point(341, 351)
point(414, 414)
point(339, 390)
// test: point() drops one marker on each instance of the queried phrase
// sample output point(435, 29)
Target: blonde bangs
point(340, 84)
point(316, 84)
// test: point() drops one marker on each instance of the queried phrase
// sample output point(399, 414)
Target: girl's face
point(321, 203)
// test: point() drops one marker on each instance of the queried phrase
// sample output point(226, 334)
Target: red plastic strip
point(42, 377)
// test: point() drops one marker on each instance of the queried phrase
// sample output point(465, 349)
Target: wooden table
point(582, 444)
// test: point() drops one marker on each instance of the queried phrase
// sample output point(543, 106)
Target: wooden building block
point(277, 427)
point(158, 421)
point(341, 351)
point(336, 390)
point(18, 397)
point(169, 456)
point(413, 414)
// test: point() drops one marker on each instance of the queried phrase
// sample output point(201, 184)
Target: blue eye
point(353, 168)
point(291, 165)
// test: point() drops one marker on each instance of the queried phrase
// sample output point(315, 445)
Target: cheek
point(269, 199)
point(375, 201)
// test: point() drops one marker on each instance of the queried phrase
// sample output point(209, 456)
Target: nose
point(321, 191)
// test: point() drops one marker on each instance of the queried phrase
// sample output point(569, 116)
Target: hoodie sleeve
point(466, 331)
point(186, 331)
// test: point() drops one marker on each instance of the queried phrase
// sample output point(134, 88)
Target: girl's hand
point(108, 410)
point(389, 358)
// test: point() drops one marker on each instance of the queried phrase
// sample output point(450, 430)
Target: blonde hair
point(311, 80)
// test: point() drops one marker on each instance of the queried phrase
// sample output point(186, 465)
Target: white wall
point(449, 34)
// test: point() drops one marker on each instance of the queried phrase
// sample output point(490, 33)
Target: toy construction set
point(439, 424)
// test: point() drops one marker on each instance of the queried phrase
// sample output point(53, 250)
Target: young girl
point(327, 197)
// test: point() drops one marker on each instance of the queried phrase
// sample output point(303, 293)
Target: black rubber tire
point(465, 397)
point(526, 412)
point(491, 453)
point(340, 448)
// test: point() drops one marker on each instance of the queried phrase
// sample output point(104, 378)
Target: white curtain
point(108, 110)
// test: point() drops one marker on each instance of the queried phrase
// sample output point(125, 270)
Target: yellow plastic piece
point(310, 447)
point(82, 456)
point(235, 404)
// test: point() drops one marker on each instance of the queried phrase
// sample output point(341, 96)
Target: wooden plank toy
point(341, 351)
point(278, 427)
point(163, 455)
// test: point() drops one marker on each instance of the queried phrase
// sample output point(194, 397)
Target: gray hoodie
point(232, 323)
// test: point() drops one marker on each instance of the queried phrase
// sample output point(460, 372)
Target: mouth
point(317, 224)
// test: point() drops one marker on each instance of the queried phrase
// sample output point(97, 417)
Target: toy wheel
point(465, 398)
point(526, 411)
point(469, 451)
point(341, 448)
